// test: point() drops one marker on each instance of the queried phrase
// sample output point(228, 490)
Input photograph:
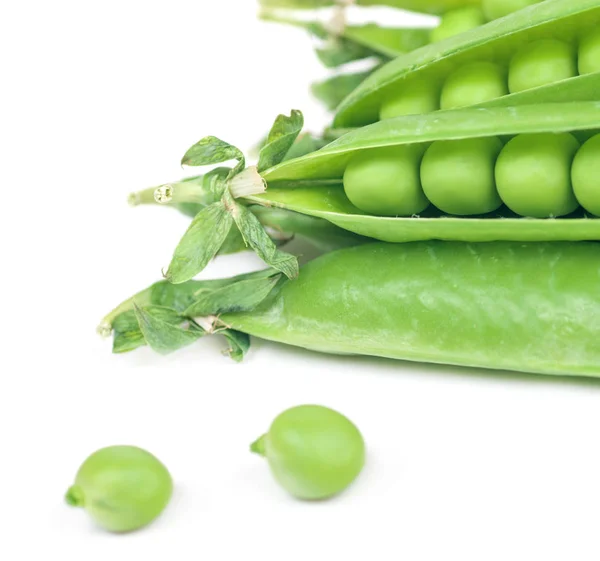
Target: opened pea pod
point(533, 49)
point(475, 174)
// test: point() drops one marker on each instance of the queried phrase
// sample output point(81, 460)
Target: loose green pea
point(458, 21)
point(472, 84)
point(414, 97)
point(458, 175)
point(542, 62)
point(533, 175)
point(586, 180)
point(494, 9)
point(313, 451)
point(123, 488)
point(589, 53)
point(386, 181)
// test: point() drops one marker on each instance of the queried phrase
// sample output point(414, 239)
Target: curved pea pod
point(313, 184)
point(424, 6)
point(505, 305)
point(497, 42)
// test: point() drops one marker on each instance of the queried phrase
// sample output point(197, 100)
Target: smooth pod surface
point(313, 452)
point(513, 306)
point(498, 42)
point(123, 488)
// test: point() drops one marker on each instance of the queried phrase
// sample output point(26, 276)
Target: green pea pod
point(497, 42)
point(503, 305)
point(424, 6)
point(313, 184)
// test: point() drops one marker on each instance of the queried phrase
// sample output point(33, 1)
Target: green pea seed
point(458, 175)
point(586, 180)
point(386, 181)
point(313, 451)
point(540, 63)
point(458, 21)
point(494, 9)
point(472, 84)
point(123, 488)
point(414, 97)
point(533, 175)
point(589, 53)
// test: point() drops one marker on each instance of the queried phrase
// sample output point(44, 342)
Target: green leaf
point(127, 342)
point(239, 344)
point(341, 51)
point(305, 144)
point(165, 330)
point(258, 240)
point(332, 91)
point(211, 150)
point(126, 333)
point(243, 296)
point(201, 242)
point(284, 132)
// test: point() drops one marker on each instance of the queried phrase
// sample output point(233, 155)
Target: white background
point(102, 98)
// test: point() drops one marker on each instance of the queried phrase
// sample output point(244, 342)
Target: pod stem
point(142, 298)
point(172, 193)
point(258, 446)
point(74, 496)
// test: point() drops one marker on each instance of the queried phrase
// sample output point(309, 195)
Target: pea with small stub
point(122, 488)
point(313, 452)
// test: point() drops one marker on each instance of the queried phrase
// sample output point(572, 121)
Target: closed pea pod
point(586, 179)
point(458, 176)
point(502, 305)
point(498, 42)
point(123, 488)
point(314, 452)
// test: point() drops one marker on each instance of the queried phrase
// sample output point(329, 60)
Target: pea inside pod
point(586, 179)
point(499, 42)
point(313, 452)
point(122, 488)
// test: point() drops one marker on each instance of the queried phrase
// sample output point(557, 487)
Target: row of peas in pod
point(534, 175)
point(537, 49)
point(537, 64)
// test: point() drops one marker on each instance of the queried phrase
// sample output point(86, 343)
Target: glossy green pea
point(494, 9)
point(540, 63)
point(586, 176)
point(498, 42)
point(456, 22)
point(517, 306)
point(386, 182)
point(414, 98)
point(123, 488)
point(589, 53)
point(313, 452)
point(458, 176)
point(472, 84)
point(533, 175)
